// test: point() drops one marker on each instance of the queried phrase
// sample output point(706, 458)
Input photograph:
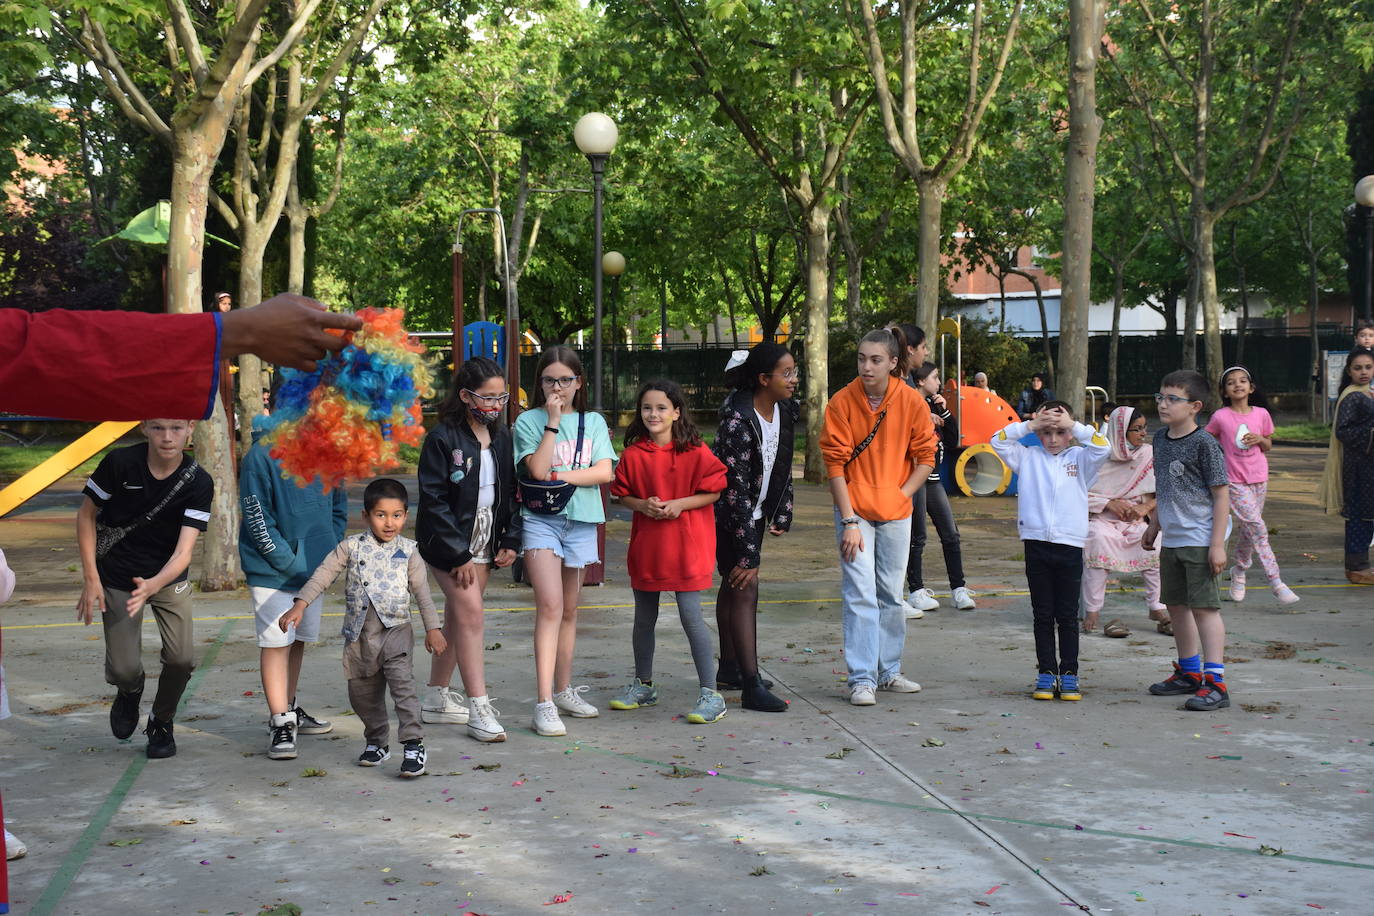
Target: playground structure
point(980, 413)
point(60, 465)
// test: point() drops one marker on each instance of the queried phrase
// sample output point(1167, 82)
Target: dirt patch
point(1260, 707)
point(70, 707)
point(1279, 650)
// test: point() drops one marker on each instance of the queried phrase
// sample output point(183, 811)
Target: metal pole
point(1368, 263)
point(598, 162)
point(458, 342)
point(615, 350)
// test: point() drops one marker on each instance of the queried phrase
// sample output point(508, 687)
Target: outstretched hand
point(288, 330)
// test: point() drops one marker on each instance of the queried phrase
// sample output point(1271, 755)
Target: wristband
point(553, 475)
point(851, 520)
point(551, 429)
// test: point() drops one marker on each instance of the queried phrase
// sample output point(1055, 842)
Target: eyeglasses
point(497, 400)
point(789, 374)
point(1170, 399)
point(551, 382)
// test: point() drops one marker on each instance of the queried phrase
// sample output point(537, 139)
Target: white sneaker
point(922, 599)
point(899, 684)
point(482, 721)
point(14, 847)
point(963, 599)
point(570, 701)
point(862, 695)
point(442, 705)
point(546, 721)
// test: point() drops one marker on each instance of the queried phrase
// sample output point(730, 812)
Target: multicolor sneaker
point(306, 724)
point(569, 700)
point(1211, 695)
point(1045, 685)
point(710, 708)
point(1178, 683)
point(636, 694)
point(374, 754)
point(1068, 687)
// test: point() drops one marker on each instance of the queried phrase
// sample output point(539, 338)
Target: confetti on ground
point(559, 898)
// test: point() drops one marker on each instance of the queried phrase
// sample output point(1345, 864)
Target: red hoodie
point(670, 554)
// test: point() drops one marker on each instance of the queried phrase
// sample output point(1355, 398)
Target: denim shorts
point(573, 542)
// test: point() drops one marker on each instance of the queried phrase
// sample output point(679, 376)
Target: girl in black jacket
point(754, 441)
point(467, 522)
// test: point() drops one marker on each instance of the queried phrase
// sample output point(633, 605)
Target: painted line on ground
point(71, 865)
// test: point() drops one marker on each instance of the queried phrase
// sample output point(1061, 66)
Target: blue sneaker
point(1068, 687)
point(1044, 687)
point(636, 694)
point(710, 708)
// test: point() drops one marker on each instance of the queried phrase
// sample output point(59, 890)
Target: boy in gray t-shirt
point(1190, 520)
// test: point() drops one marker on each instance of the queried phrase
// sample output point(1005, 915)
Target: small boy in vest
point(383, 570)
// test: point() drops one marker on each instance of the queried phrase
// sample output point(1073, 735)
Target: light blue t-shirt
point(585, 505)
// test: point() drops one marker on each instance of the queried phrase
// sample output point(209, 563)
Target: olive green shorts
point(1185, 578)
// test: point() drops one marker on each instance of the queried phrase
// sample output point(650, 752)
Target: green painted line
point(977, 816)
point(76, 858)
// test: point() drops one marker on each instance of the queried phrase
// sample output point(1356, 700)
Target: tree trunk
point(1313, 297)
point(1207, 292)
point(817, 345)
point(1190, 317)
point(853, 279)
point(1085, 30)
point(1243, 324)
point(932, 200)
point(1114, 343)
point(250, 375)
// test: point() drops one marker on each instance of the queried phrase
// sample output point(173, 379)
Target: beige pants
point(124, 644)
point(380, 658)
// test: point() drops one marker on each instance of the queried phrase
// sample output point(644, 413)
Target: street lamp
point(595, 135)
point(1364, 196)
point(613, 265)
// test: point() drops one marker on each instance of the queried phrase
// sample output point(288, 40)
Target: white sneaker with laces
point(899, 684)
point(482, 721)
point(442, 705)
point(922, 599)
point(569, 700)
point(14, 847)
point(963, 599)
point(862, 695)
point(546, 721)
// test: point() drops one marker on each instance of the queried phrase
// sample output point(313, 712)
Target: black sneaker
point(1212, 695)
point(306, 724)
point(124, 713)
point(1179, 683)
point(373, 755)
point(414, 762)
point(728, 677)
point(160, 741)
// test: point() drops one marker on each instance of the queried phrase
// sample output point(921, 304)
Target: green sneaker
point(635, 695)
point(710, 708)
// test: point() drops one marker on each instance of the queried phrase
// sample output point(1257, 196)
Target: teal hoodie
point(286, 530)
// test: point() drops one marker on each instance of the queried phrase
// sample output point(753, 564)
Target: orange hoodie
point(906, 438)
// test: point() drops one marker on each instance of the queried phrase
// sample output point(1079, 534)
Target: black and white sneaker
point(306, 724)
point(283, 745)
point(124, 713)
point(414, 763)
point(160, 741)
point(374, 754)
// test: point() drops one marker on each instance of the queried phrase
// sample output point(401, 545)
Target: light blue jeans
point(873, 619)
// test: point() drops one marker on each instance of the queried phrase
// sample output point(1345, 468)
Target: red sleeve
point(710, 471)
point(623, 482)
point(108, 365)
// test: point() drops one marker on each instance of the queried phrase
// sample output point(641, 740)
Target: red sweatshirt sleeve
point(108, 365)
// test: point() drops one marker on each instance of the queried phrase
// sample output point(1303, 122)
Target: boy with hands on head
point(383, 569)
point(1191, 520)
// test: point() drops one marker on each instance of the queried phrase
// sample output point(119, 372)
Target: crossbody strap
point(859, 449)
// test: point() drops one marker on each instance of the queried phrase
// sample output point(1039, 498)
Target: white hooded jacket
point(1052, 490)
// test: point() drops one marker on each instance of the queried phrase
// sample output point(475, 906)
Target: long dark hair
point(895, 340)
point(762, 359)
point(471, 376)
point(1256, 399)
point(568, 357)
point(685, 432)
point(913, 333)
point(1346, 380)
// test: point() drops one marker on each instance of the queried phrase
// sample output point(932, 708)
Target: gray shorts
point(1185, 578)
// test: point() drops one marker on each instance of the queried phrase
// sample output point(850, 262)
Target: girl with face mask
point(467, 523)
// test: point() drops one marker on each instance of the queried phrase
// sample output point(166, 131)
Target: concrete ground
point(966, 798)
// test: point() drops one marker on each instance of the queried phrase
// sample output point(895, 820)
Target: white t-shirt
point(486, 481)
point(771, 431)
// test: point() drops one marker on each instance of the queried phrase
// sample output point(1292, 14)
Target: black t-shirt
point(124, 490)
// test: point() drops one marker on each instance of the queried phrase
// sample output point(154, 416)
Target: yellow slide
point(60, 465)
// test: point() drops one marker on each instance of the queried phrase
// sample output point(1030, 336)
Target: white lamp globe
point(595, 134)
point(612, 263)
point(1364, 191)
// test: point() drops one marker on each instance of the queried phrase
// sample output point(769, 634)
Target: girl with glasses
point(558, 439)
point(466, 524)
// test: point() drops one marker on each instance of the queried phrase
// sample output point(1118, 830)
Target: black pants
point(1054, 573)
point(932, 500)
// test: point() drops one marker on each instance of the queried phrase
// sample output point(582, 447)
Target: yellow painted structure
point(60, 465)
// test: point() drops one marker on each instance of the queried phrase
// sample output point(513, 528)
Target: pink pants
point(1247, 503)
point(1094, 590)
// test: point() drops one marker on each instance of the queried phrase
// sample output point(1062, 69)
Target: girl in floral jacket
point(754, 441)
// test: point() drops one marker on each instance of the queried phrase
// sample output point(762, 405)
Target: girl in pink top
point(1244, 427)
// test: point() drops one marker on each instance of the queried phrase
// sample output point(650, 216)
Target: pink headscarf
point(1128, 473)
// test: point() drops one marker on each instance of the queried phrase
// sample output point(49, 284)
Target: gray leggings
point(698, 637)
